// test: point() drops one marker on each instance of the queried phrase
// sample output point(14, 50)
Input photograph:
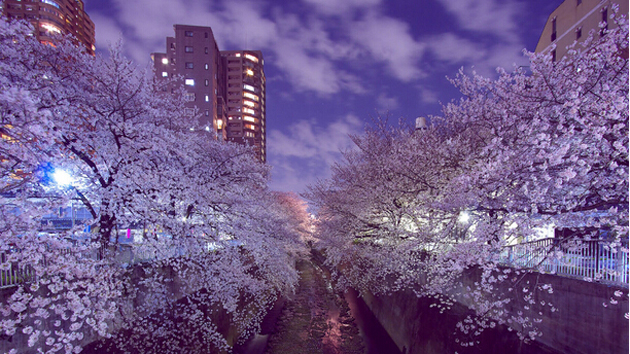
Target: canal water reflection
point(318, 320)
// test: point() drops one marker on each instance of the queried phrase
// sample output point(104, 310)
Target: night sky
point(334, 65)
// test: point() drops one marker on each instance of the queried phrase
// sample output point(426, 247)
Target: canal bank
point(318, 320)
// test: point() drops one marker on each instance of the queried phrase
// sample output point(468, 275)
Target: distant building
point(193, 53)
point(51, 17)
point(227, 87)
point(573, 20)
point(246, 99)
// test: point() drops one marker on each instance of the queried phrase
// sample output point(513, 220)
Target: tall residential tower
point(51, 17)
point(193, 53)
point(227, 87)
point(246, 99)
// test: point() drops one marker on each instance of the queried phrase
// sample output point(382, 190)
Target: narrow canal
point(317, 320)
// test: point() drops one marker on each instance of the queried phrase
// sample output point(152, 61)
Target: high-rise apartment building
point(50, 17)
point(573, 20)
point(193, 53)
point(246, 99)
point(227, 87)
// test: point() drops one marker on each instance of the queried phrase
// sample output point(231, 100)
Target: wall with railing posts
point(592, 260)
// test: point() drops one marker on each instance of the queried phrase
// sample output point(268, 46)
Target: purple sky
point(332, 65)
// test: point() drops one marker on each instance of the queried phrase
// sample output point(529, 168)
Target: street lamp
point(464, 217)
point(62, 178)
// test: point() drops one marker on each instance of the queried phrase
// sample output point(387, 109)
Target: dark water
point(373, 335)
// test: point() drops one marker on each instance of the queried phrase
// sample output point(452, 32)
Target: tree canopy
point(533, 149)
point(138, 159)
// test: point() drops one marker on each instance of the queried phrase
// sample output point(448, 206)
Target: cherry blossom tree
point(417, 209)
point(136, 157)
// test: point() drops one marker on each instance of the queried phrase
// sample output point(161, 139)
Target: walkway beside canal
point(316, 320)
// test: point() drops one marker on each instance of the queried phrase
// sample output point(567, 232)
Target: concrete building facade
point(193, 53)
point(227, 87)
point(50, 17)
point(573, 20)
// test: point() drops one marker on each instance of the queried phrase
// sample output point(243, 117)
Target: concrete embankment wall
point(580, 323)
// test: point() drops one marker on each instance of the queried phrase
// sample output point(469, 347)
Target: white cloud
point(389, 40)
point(336, 7)
point(386, 103)
point(454, 49)
point(428, 96)
point(108, 32)
point(490, 16)
point(304, 153)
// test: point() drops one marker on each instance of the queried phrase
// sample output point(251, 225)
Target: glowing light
point(251, 57)
point(251, 96)
point(51, 28)
point(62, 178)
point(164, 61)
point(464, 217)
point(249, 72)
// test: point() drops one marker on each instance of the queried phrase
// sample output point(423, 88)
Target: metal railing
point(593, 260)
point(125, 254)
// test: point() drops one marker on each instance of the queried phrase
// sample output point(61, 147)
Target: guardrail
point(124, 254)
point(587, 259)
point(13, 275)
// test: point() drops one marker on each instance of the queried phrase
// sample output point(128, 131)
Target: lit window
point(206, 66)
point(164, 74)
point(251, 96)
point(188, 49)
point(251, 57)
point(190, 82)
point(189, 65)
point(249, 103)
point(207, 82)
point(249, 72)
point(238, 55)
point(50, 28)
point(50, 2)
point(188, 33)
point(207, 112)
point(249, 119)
point(249, 87)
point(207, 98)
point(249, 110)
point(219, 124)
